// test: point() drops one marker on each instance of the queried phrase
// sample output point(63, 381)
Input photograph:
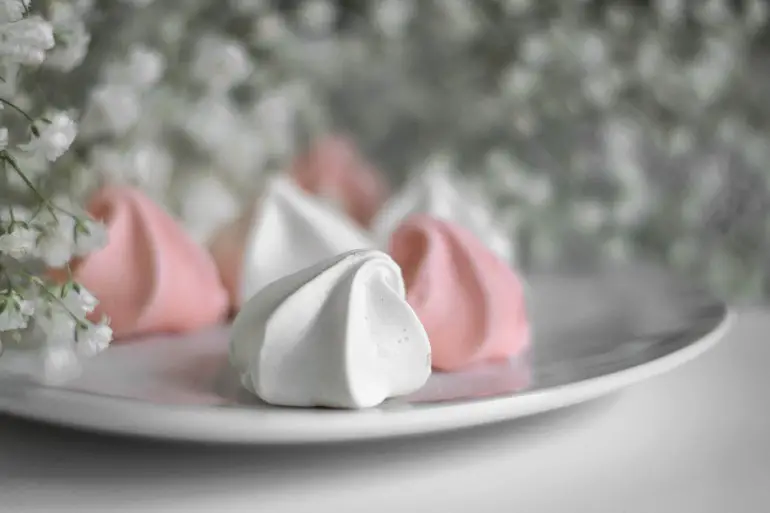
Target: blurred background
point(600, 131)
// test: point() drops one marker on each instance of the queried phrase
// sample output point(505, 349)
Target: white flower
point(18, 243)
point(11, 11)
point(144, 163)
point(79, 301)
point(112, 109)
point(220, 63)
point(271, 30)
point(15, 311)
point(142, 69)
point(55, 244)
point(71, 36)
point(317, 15)
point(54, 138)
point(89, 237)
point(25, 41)
point(392, 16)
point(93, 339)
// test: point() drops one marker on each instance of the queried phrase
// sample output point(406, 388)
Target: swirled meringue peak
point(286, 231)
point(150, 277)
point(440, 192)
point(333, 169)
point(470, 302)
point(337, 334)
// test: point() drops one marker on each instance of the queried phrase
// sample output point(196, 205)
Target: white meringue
point(337, 334)
point(292, 230)
point(441, 193)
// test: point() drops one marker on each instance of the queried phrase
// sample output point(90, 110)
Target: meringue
point(337, 334)
point(287, 231)
point(150, 277)
point(442, 194)
point(333, 169)
point(470, 302)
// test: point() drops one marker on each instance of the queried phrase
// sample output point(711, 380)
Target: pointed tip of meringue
point(285, 231)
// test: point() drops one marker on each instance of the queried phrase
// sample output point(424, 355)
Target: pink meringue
point(334, 169)
point(151, 277)
point(470, 302)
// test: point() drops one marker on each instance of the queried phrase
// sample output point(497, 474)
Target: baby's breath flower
point(26, 40)
point(53, 138)
point(142, 69)
point(112, 110)
point(17, 241)
point(72, 36)
point(89, 236)
point(15, 311)
point(92, 339)
point(220, 63)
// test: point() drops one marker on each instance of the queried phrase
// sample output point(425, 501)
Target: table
point(696, 440)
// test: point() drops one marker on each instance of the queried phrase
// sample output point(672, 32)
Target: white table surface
point(696, 440)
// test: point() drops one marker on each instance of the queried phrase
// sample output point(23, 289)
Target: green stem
point(19, 110)
point(4, 155)
point(41, 285)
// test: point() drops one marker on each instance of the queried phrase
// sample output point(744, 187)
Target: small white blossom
point(142, 69)
point(71, 35)
point(145, 164)
point(318, 15)
point(392, 16)
point(18, 243)
point(271, 30)
point(11, 11)
point(93, 339)
point(15, 311)
point(79, 301)
point(54, 138)
point(25, 41)
point(89, 237)
point(55, 244)
point(220, 63)
point(112, 109)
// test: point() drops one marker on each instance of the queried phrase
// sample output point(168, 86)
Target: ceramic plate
point(593, 334)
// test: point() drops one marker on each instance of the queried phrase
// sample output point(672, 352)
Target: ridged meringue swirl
point(444, 195)
point(150, 277)
point(337, 334)
point(287, 231)
point(469, 301)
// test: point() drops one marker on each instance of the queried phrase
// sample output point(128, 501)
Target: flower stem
point(40, 284)
point(52, 207)
point(19, 110)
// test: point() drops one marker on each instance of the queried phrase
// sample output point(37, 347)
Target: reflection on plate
point(593, 334)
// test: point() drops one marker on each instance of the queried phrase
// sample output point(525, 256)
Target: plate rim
point(107, 414)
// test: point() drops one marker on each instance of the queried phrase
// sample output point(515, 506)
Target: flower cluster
point(601, 131)
point(41, 231)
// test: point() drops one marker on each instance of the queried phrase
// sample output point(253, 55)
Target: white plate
point(593, 335)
